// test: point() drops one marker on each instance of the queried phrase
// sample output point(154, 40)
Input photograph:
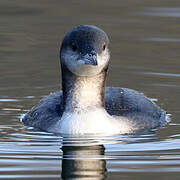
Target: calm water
point(145, 55)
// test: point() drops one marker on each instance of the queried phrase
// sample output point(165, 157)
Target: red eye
point(104, 47)
point(74, 47)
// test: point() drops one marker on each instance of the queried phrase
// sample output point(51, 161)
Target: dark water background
point(145, 55)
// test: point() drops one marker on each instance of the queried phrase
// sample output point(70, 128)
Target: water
point(145, 56)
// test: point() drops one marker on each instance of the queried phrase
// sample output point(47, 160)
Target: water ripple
point(162, 12)
point(162, 74)
point(158, 39)
point(9, 100)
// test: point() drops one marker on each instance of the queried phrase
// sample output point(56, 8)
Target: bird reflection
point(83, 163)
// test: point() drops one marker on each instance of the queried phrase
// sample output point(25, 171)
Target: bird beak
point(90, 59)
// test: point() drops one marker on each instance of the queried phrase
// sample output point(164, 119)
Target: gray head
point(85, 51)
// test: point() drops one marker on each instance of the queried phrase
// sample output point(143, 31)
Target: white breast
point(93, 122)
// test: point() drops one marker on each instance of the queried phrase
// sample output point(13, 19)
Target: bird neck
point(83, 93)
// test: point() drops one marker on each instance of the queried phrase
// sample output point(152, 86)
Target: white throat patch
point(78, 66)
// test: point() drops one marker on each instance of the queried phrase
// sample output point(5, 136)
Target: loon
point(85, 105)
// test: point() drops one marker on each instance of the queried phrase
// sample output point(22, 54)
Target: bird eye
point(104, 47)
point(74, 47)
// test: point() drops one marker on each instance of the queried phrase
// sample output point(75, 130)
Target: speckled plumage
point(118, 101)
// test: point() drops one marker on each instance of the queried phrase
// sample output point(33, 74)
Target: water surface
point(145, 56)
